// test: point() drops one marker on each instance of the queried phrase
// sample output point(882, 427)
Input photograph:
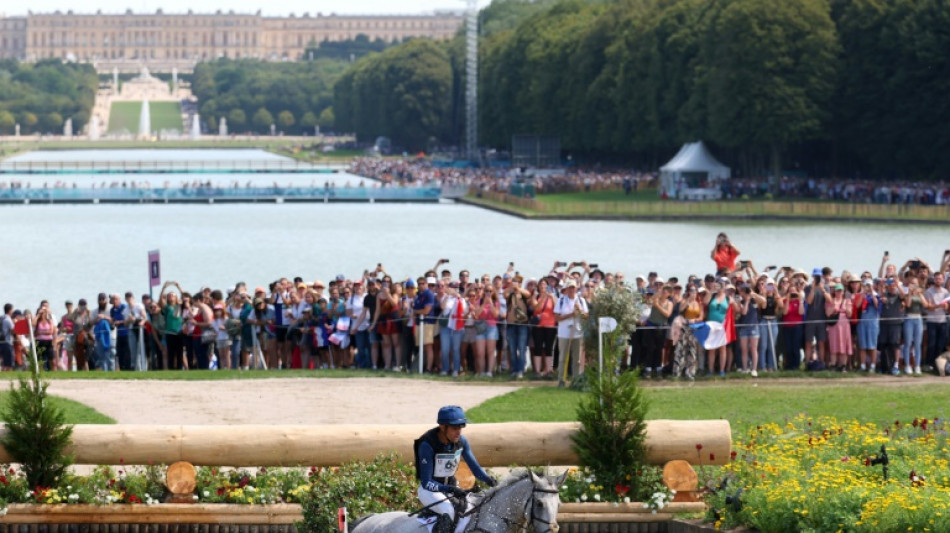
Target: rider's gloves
point(458, 492)
point(492, 482)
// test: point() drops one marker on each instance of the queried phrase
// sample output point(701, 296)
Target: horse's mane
point(514, 476)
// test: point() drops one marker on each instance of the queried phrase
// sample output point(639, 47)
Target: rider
point(437, 458)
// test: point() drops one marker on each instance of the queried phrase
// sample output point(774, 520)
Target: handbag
point(481, 327)
point(208, 334)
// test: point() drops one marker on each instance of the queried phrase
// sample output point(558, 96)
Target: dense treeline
point(345, 50)
point(41, 96)
point(254, 94)
point(831, 87)
point(404, 93)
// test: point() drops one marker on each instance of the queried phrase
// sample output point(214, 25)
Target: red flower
point(915, 422)
point(732, 456)
point(121, 461)
point(712, 457)
point(220, 491)
point(897, 423)
point(244, 481)
point(699, 447)
point(867, 461)
point(622, 489)
point(845, 459)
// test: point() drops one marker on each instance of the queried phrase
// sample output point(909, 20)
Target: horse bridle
point(528, 512)
point(534, 517)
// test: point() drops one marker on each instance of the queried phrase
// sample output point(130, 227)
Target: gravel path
point(274, 401)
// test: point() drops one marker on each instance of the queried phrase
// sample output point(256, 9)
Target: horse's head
point(544, 502)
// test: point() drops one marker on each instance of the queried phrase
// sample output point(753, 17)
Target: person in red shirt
point(724, 254)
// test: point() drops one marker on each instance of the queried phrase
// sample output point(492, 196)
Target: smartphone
point(743, 264)
point(561, 264)
point(445, 260)
point(886, 252)
point(593, 265)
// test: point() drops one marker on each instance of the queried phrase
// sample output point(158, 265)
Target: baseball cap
point(82, 301)
point(430, 280)
point(569, 284)
point(410, 283)
point(340, 277)
point(816, 272)
point(102, 296)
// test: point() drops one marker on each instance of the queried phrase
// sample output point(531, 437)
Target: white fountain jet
point(94, 128)
point(145, 122)
point(195, 127)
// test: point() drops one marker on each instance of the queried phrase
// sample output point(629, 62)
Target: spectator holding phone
point(724, 254)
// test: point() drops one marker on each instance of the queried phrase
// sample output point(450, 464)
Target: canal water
point(61, 252)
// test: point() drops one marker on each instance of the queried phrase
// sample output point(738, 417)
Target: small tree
point(37, 435)
point(610, 441)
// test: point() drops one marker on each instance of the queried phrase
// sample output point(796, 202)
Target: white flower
point(597, 497)
point(206, 494)
point(626, 499)
point(584, 497)
point(4, 510)
point(653, 511)
point(194, 497)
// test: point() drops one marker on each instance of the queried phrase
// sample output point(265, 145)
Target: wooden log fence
point(699, 442)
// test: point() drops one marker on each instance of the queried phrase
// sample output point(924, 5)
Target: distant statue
point(144, 74)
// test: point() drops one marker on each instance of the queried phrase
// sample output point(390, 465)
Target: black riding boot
point(444, 524)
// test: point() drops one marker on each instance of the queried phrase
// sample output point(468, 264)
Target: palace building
point(164, 41)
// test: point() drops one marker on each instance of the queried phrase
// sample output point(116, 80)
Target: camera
point(743, 264)
point(915, 264)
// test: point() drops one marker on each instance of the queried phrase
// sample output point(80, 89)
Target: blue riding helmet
point(452, 415)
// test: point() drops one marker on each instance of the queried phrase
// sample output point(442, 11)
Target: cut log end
point(180, 479)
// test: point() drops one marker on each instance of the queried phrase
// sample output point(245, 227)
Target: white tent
point(693, 173)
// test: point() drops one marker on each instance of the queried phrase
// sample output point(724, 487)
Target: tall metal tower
point(471, 81)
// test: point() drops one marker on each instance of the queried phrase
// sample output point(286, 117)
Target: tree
point(237, 119)
point(402, 93)
point(612, 415)
point(285, 120)
point(28, 121)
point(327, 118)
point(767, 74)
point(262, 120)
point(37, 435)
point(308, 121)
point(7, 121)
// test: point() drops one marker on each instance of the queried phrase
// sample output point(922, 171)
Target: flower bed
point(819, 474)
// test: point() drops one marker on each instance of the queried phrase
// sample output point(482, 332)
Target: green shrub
point(616, 302)
point(610, 441)
point(386, 484)
point(37, 435)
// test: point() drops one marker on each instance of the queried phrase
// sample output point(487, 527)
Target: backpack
point(518, 309)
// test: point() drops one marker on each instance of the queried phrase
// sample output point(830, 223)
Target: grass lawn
point(743, 404)
point(125, 116)
point(76, 413)
point(645, 195)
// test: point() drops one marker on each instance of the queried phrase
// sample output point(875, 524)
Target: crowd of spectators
point(425, 173)
point(889, 320)
point(840, 190)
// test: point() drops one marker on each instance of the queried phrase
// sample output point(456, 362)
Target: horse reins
point(529, 510)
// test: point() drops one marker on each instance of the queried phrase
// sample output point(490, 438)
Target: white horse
point(514, 505)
